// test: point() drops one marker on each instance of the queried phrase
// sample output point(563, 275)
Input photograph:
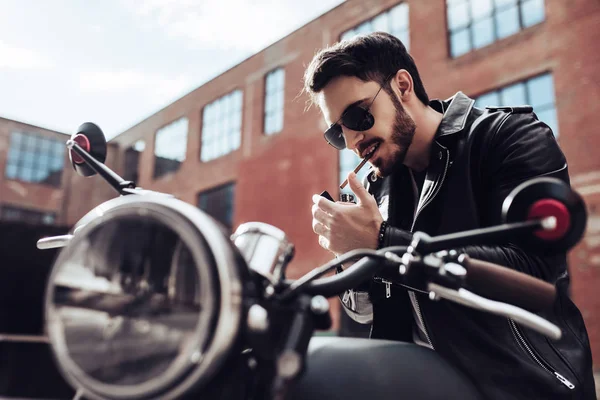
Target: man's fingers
point(321, 215)
point(324, 242)
point(324, 204)
point(320, 229)
point(359, 190)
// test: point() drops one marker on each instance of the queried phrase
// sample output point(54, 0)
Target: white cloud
point(19, 58)
point(156, 86)
point(230, 24)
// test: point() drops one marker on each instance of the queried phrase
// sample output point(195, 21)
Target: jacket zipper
point(413, 297)
point(411, 294)
point(436, 191)
point(536, 357)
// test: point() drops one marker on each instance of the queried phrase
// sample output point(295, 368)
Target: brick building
point(244, 148)
point(34, 177)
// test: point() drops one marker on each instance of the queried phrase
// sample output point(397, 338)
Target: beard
point(403, 132)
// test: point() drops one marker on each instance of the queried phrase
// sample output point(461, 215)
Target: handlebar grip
point(507, 285)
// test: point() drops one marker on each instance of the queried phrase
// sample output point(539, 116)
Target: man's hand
point(343, 227)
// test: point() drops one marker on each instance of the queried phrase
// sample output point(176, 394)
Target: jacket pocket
point(535, 356)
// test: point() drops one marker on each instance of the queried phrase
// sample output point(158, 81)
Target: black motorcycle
point(151, 299)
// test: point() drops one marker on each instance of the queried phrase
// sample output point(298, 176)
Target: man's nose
point(352, 138)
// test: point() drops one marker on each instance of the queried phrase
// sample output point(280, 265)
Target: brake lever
point(470, 299)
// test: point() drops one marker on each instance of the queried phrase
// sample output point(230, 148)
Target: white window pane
point(460, 43)
point(549, 117)
point(532, 11)
point(347, 35)
point(279, 122)
point(483, 32)
point(504, 3)
point(481, 8)
point(270, 83)
point(399, 16)
point(171, 140)
point(458, 15)
point(57, 163)
point(364, 28)
point(488, 99)
point(40, 174)
point(514, 95)
point(280, 100)
point(16, 139)
point(140, 145)
point(236, 141)
point(27, 174)
point(403, 36)
point(507, 22)
point(381, 23)
point(11, 171)
point(268, 124)
point(541, 90)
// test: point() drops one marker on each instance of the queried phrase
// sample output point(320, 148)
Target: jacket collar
point(456, 110)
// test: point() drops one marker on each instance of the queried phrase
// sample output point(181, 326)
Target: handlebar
point(500, 290)
point(507, 285)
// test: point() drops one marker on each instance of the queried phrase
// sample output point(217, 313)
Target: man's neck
point(418, 155)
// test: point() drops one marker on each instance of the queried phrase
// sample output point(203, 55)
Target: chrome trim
point(192, 369)
point(54, 242)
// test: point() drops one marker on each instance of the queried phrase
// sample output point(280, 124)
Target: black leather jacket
point(477, 158)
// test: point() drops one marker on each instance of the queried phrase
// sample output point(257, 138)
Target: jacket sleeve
point(521, 148)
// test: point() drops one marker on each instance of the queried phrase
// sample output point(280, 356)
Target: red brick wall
point(276, 175)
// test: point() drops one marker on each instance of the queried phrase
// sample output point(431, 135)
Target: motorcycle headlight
point(145, 302)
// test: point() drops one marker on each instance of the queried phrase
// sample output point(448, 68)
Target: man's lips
point(368, 151)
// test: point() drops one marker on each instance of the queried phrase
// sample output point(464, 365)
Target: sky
point(116, 62)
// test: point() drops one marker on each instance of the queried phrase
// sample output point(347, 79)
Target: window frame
point(524, 81)
point(155, 156)
point(385, 10)
point(215, 188)
point(203, 124)
point(39, 151)
point(496, 38)
point(266, 93)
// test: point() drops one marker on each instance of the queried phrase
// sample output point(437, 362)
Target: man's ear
point(404, 82)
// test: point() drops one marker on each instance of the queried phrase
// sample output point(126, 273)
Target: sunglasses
point(356, 118)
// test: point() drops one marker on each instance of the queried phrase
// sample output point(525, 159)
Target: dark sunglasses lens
point(357, 119)
point(335, 137)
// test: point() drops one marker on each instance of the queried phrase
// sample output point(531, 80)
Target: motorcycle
point(150, 298)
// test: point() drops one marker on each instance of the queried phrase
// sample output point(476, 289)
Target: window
point(18, 214)
point(34, 158)
point(394, 21)
point(537, 92)
point(473, 24)
point(170, 146)
point(274, 92)
point(132, 160)
point(221, 126)
point(218, 203)
point(348, 161)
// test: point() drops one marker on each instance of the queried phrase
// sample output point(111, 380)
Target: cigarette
point(358, 167)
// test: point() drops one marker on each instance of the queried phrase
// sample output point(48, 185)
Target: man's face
point(392, 132)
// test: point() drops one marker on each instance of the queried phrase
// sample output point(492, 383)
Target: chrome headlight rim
point(202, 357)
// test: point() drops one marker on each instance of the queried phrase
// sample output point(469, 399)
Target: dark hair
point(371, 57)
